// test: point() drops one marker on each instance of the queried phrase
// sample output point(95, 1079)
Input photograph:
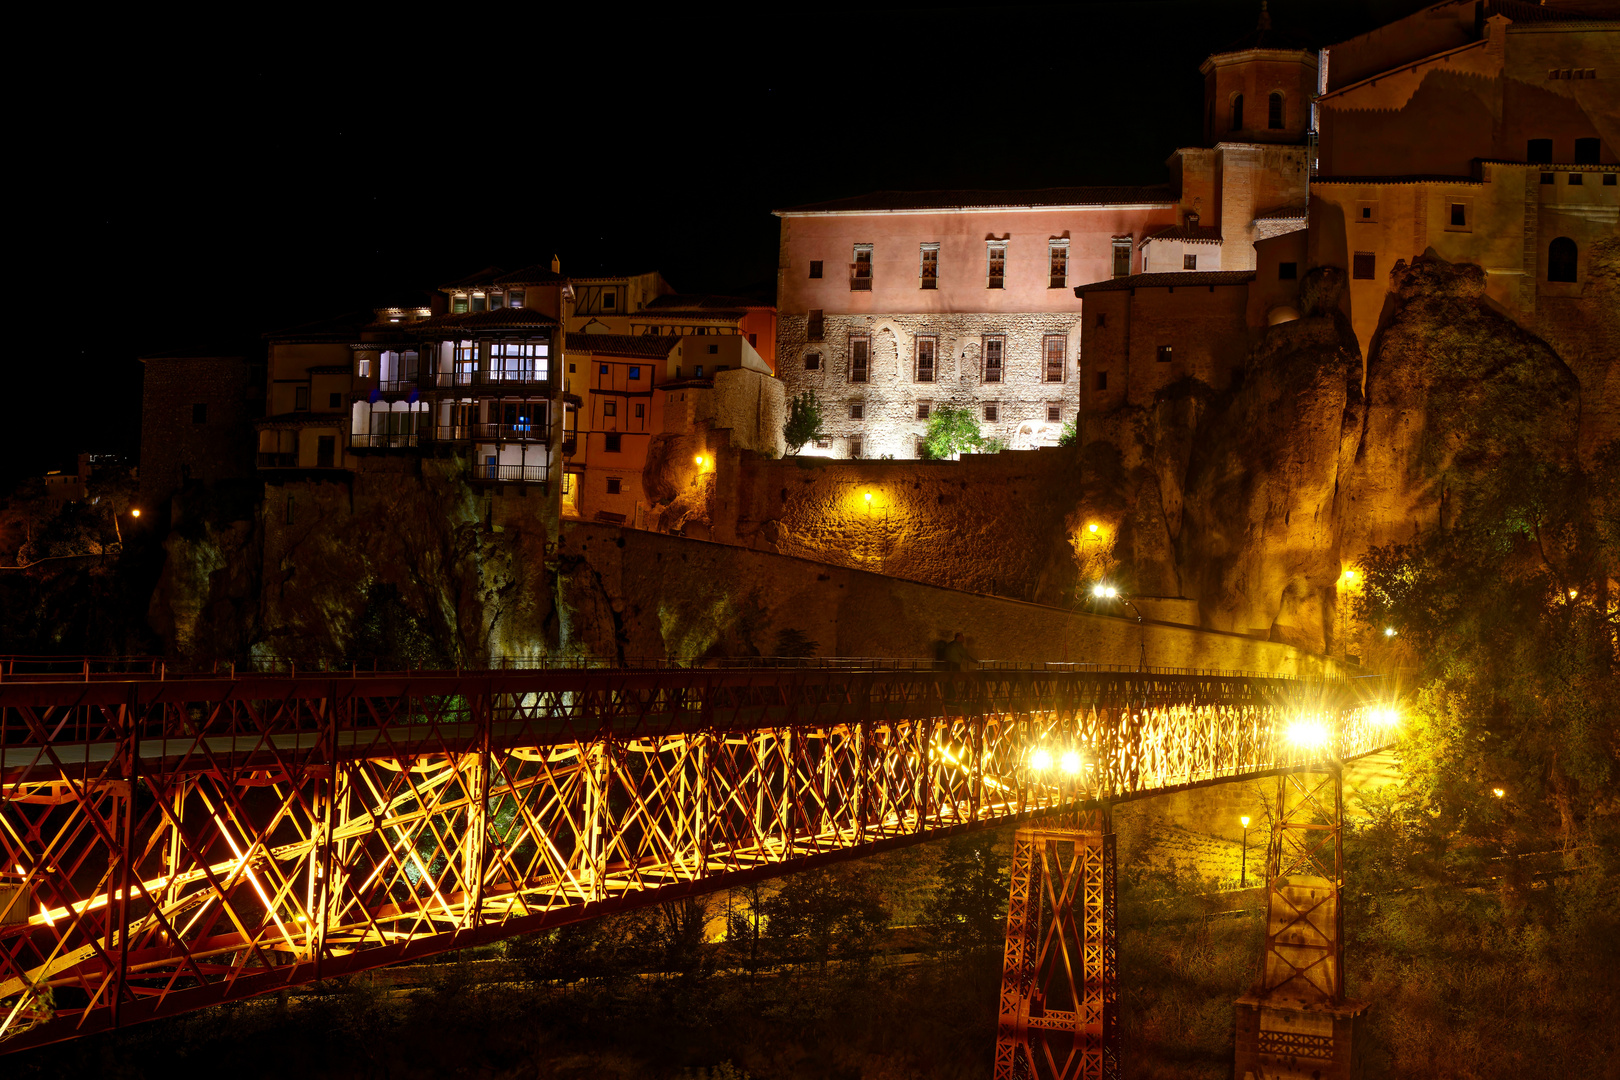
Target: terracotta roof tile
point(1198, 234)
point(1287, 213)
point(499, 319)
point(983, 199)
point(639, 346)
point(1172, 280)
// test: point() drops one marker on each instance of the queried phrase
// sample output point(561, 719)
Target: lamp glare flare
point(1041, 759)
point(1104, 592)
point(1309, 732)
point(1384, 716)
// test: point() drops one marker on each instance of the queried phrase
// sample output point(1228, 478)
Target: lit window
point(1057, 258)
point(860, 271)
point(996, 259)
point(514, 298)
point(994, 347)
point(519, 361)
point(604, 369)
point(1165, 354)
point(860, 352)
point(1189, 262)
point(929, 271)
point(926, 347)
point(458, 304)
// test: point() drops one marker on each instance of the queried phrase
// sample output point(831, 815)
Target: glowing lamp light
point(1105, 592)
point(699, 460)
point(135, 513)
point(1309, 733)
point(1499, 792)
point(1093, 528)
point(1041, 759)
point(1385, 717)
point(1245, 820)
point(1573, 593)
point(1071, 762)
point(1389, 631)
point(868, 496)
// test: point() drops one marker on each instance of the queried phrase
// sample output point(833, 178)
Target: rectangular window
point(1057, 259)
point(1608, 179)
point(1288, 271)
point(1459, 215)
point(1054, 414)
point(697, 372)
point(1189, 262)
point(614, 484)
point(1538, 152)
point(857, 410)
point(301, 399)
point(1574, 179)
point(325, 451)
point(929, 272)
point(635, 373)
point(1102, 380)
point(1363, 265)
point(815, 268)
point(1122, 256)
point(614, 442)
point(609, 300)
point(604, 370)
point(860, 353)
point(496, 300)
point(990, 413)
point(823, 444)
point(1054, 348)
point(1367, 212)
point(753, 341)
point(854, 448)
point(994, 347)
point(996, 260)
point(641, 411)
point(860, 271)
point(610, 408)
point(1546, 178)
point(923, 410)
point(514, 298)
point(519, 361)
point(1166, 354)
point(714, 350)
point(334, 401)
point(815, 326)
point(480, 302)
point(812, 362)
point(458, 305)
point(199, 413)
point(926, 347)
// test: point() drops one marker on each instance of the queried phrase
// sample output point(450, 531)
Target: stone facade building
point(195, 412)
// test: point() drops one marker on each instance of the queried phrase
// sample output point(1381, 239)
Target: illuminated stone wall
point(892, 393)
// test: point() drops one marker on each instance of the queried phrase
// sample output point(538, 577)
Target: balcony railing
point(860, 277)
point(380, 440)
point(521, 432)
point(278, 461)
point(522, 376)
point(394, 385)
point(521, 474)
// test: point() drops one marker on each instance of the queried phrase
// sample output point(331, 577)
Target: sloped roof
point(1284, 212)
point(1198, 234)
point(638, 346)
point(1172, 280)
point(503, 318)
point(988, 199)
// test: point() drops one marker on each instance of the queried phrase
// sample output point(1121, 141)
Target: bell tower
point(1258, 89)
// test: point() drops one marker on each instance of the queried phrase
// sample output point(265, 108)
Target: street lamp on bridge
point(1243, 877)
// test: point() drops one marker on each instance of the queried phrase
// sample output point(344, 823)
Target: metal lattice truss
point(1303, 961)
point(170, 845)
point(1059, 1008)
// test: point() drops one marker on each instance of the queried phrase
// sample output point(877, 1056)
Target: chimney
point(556, 265)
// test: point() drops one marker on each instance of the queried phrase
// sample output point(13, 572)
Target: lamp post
point(1243, 881)
point(1109, 592)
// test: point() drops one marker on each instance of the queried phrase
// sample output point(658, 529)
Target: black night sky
point(210, 185)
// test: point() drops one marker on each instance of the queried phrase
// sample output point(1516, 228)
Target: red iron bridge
point(172, 842)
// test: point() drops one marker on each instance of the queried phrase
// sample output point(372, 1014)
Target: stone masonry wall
point(890, 396)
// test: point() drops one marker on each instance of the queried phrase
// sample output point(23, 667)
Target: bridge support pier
point(1059, 1011)
point(1295, 1023)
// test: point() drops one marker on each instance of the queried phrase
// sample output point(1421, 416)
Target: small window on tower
point(1237, 112)
point(1057, 254)
point(1274, 112)
point(815, 268)
point(1459, 215)
point(1102, 380)
point(994, 347)
point(860, 353)
point(1165, 354)
point(812, 362)
point(1363, 265)
point(926, 347)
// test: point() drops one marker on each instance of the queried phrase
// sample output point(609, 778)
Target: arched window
point(1237, 112)
point(1561, 259)
point(1274, 112)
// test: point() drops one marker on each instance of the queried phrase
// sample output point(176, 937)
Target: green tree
point(1069, 434)
point(803, 422)
point(820, 914)
point(953, 431)
point(968, 912)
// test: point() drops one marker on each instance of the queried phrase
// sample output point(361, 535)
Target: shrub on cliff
point(803, 422)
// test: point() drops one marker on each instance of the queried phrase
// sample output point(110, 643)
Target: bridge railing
point(170, 844)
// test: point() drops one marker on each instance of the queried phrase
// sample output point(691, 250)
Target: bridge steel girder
point(173, 844)
point(1059, 1005)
